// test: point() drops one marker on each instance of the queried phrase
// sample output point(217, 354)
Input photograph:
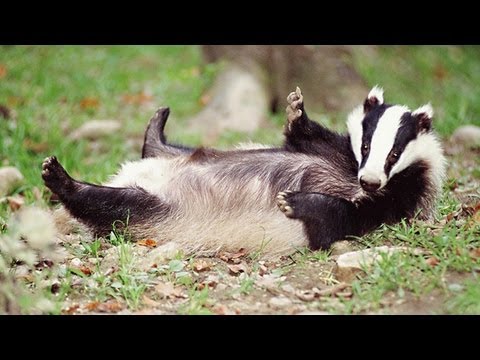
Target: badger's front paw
point(295, 108)
point(55, 176)
point(286, 202)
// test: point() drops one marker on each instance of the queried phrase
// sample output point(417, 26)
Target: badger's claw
point(295, 108)
point(285, 204)
point(55, 176)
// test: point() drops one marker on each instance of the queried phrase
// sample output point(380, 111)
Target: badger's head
point(387, 139)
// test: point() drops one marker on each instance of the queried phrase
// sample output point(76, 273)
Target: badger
point(318, 187)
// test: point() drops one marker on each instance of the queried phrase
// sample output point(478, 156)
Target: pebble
point(466, 135)
point(280, 301)
point(10, 178)
point(95, 129)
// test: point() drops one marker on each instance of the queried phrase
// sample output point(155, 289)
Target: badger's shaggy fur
point(318, 188)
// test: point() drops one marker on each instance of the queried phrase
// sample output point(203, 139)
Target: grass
point(53, 90)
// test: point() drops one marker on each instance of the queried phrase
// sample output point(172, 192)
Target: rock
point(342, 247)
point(10, 178)
point(95, 129)
point(76, 262)
point(21, 271)
point(239, 103)
point(93, 261)
point(280, 301)
point(350, 264)
point(468, 135)
point(288, 288)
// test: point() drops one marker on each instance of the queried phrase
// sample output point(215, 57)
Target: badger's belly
point(212, 212)
point(264, 230)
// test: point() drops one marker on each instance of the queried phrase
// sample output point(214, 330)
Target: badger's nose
point(369, 185)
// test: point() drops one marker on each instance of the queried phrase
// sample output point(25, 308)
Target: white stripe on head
point(425, 147)
point(354, 125)
point(382, 142)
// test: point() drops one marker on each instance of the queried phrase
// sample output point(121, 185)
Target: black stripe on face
point(369, 124)
point(406, 133)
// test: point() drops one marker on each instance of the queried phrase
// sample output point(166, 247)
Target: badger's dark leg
point(325, 218)
point(305, 135)
point(155, 142)
point(100, 206)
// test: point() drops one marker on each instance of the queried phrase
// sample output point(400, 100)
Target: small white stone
point(95, 129)
point(467, 135)
point(280, 301)
point(10, 178)
point(76, 262)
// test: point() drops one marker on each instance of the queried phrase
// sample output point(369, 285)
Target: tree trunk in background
point(256, 79)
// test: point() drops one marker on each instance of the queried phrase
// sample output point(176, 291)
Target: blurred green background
point(52, 90)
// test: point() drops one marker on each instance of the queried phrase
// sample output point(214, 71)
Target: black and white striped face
point(386, 139)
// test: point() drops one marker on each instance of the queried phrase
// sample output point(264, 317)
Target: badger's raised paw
point(295, 108)
point(286, 202)
point(55, 176)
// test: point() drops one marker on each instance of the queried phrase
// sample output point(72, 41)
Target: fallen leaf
point(237, 268)
point(232, 257)
point(211, 281)
point(137, 99)
point(475, 253)
point(86, 270)
point(201, 265)
point(168, 290)
point(36, 147)
point(221, 309)
point(150, 302)
point(89, 103)
point(3, 71)
point(111, 306)
point(148, 243)
point(15, 202)
point(432, 261)
point(71, 309)
point(92, 306)
point(440, 72)
point(262, 270)
point(14, 101)
point(475, 219)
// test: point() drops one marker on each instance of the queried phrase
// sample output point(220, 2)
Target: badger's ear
point(423, 116)
point(374, 98)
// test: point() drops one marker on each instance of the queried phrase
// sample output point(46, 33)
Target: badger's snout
point(370, 184)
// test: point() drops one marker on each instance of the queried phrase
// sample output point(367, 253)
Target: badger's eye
point(395, 155)
point(365, 147)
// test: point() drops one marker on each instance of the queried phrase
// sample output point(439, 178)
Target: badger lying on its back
point(317, 188)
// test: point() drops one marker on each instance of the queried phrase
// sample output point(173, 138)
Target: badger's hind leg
point(326, 219)
point(100, 206)
point(155, 142)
